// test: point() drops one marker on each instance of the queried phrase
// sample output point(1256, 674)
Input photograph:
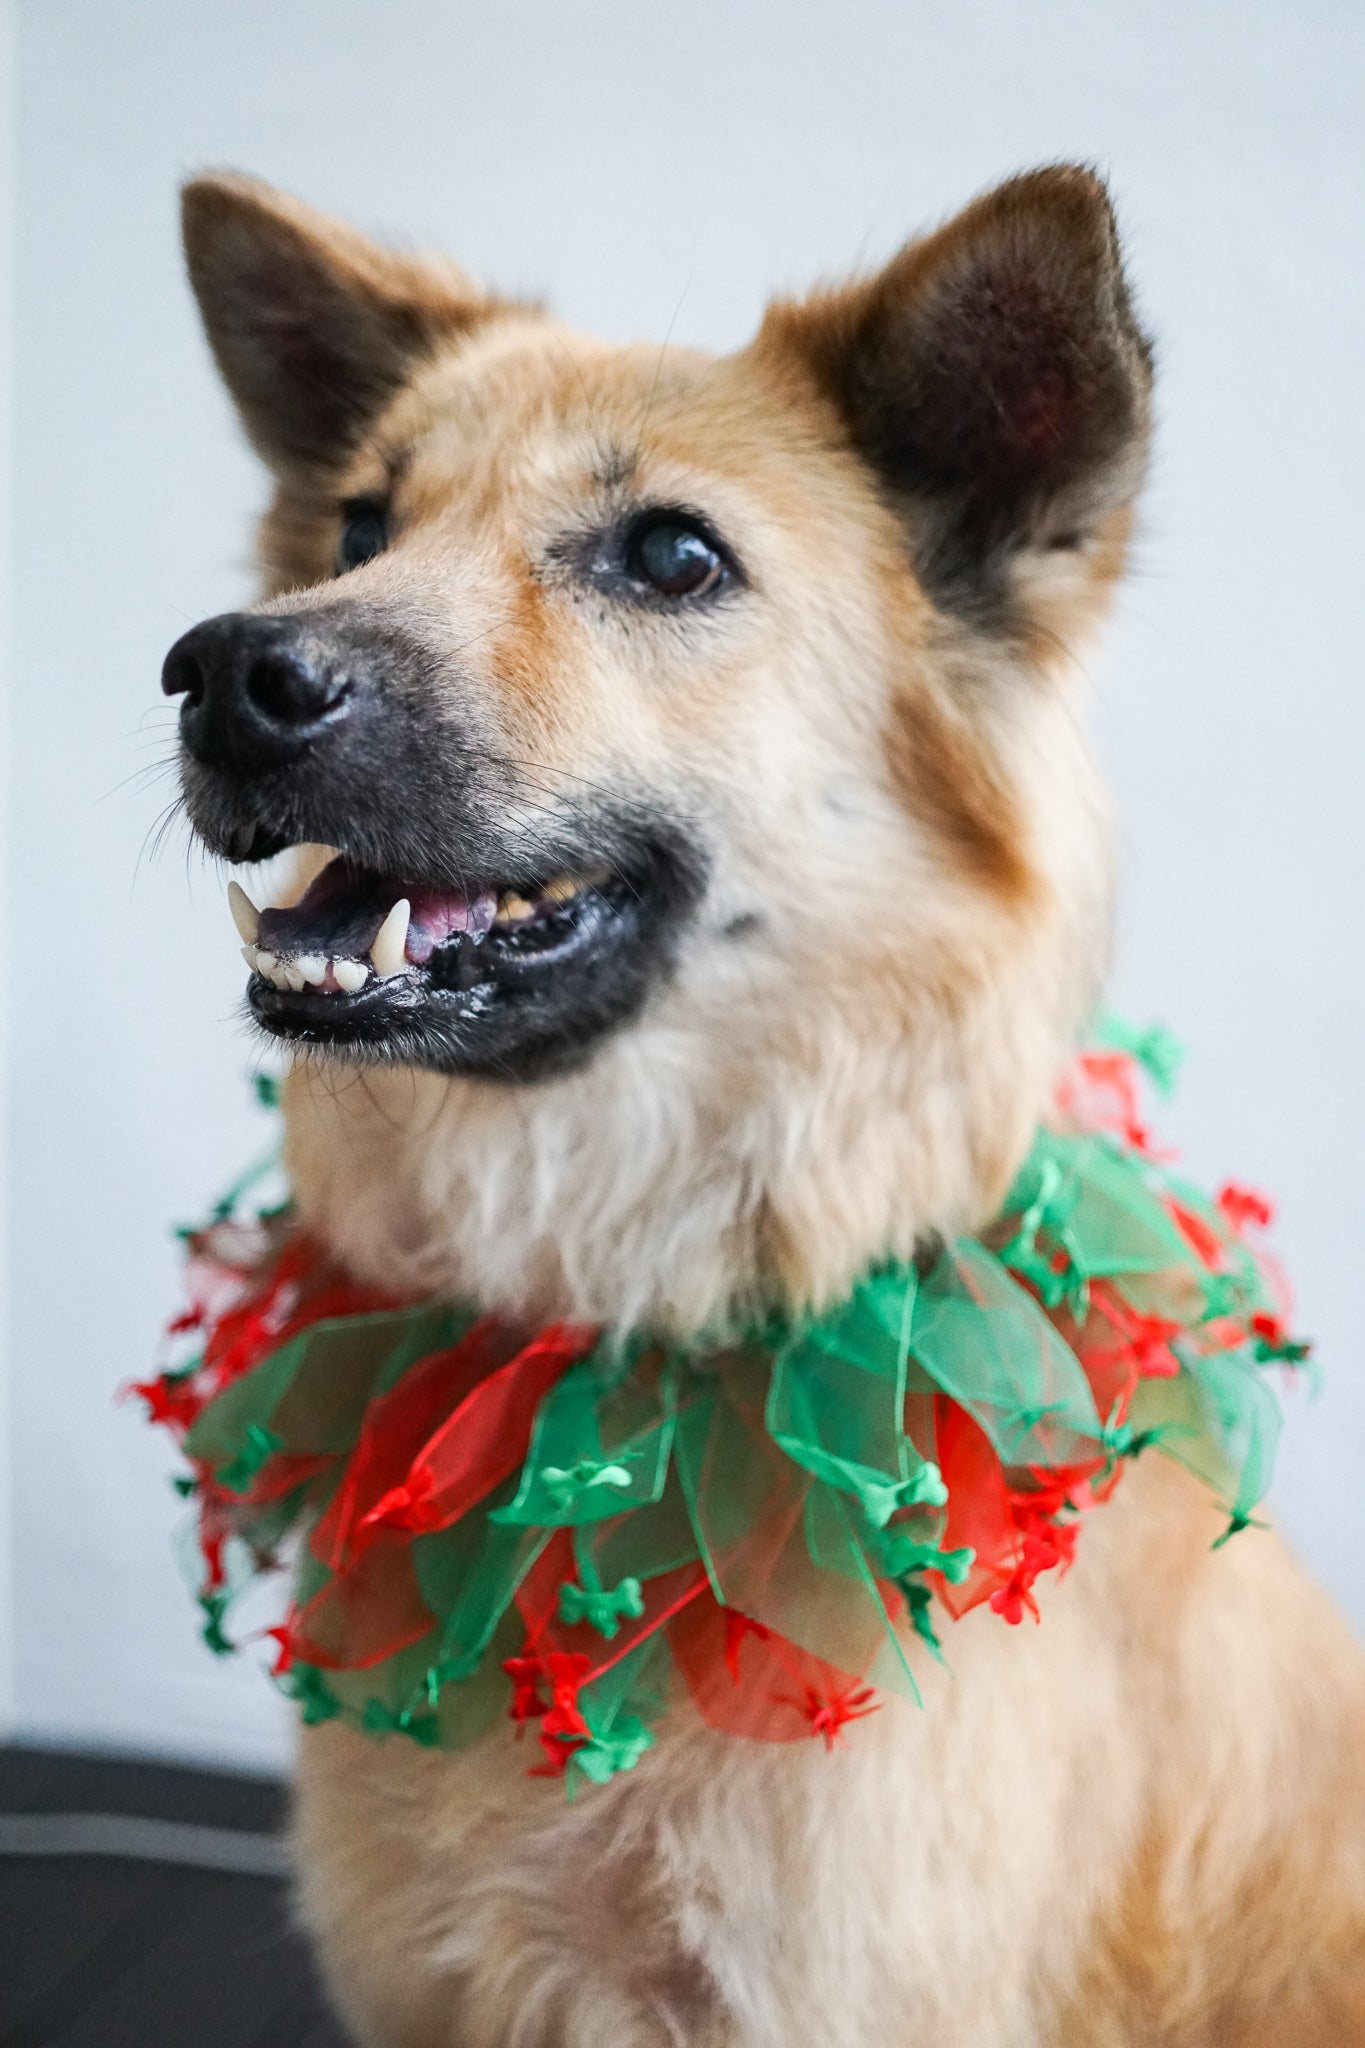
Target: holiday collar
point(559, 1526)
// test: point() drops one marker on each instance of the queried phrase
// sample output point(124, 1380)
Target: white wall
point(656, 168)
point(7, 1645)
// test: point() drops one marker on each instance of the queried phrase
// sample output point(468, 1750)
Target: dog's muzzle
point(481, 915)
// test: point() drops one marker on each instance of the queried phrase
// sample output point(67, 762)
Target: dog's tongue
point(342, 909)
point(437, 914)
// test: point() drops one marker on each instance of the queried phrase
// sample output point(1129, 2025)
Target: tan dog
point(741, 697)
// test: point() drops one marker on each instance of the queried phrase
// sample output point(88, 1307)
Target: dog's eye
point(364, 534)
point(673, 556)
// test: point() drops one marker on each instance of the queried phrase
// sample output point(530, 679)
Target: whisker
point(652, 393)
point(144, 777)
point(156, 834)
point(166, 713)
point(577, 368)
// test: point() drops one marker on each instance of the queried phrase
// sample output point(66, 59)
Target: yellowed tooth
point(512, 908)
point(245, 915)
point(292, 976)
point(312, 967)
point(249, 954)
point(562, 890)
point(266, 963)
point(387, 954)
point(351, 975)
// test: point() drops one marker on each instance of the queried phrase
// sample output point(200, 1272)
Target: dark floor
point(112, 1950)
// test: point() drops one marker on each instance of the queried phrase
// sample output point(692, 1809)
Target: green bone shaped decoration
point(260, 1444)
point(571, 1475)
point(602, 1607)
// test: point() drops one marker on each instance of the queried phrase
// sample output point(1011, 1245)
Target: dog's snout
point(257, 691)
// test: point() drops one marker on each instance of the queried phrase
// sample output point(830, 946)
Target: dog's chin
point(514, 977)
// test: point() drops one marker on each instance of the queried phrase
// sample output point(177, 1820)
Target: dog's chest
point(740, 1894)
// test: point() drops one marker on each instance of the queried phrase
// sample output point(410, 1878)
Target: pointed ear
point(313, 326)
point(995, 378)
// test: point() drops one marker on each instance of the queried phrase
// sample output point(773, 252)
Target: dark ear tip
point(1070, 178)
point(1074, 202)
point(1070, 193)
point(211, 198)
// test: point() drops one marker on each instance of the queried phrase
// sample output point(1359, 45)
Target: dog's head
point(694, 738)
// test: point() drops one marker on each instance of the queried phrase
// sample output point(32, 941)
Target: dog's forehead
point(527, 403)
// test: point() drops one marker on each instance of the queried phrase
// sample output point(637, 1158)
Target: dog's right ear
point(994, 378)
point(312, 325)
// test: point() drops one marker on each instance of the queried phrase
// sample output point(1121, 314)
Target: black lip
point(517, 1006)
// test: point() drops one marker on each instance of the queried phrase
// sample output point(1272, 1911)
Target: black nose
point(258, 691)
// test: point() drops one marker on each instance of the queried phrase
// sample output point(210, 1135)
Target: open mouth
point(514, 978)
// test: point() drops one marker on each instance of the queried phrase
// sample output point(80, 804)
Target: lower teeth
point(310, 970)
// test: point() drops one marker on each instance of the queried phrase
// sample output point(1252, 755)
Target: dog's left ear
point(996, 380)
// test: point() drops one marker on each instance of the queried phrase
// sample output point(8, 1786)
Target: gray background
point(651, 169)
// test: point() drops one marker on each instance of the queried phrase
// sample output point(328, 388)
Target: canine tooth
point(293, 977)
point(245, 915)
point(312, 967)
point(351, 975)
point(562, 890)
point(511, 907)
point(265, 962)
point(249, 955)
point(387, 953)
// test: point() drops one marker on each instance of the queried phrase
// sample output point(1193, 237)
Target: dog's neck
point(659, 1187)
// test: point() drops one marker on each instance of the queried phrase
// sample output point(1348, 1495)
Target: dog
point(736, 707)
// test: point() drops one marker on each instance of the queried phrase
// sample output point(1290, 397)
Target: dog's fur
point(1142, 1822)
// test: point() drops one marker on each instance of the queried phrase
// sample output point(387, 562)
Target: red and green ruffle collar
point(563, 1526)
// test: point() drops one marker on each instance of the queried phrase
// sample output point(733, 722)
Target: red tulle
point(1102, 1091)
point(747, 1680)
point(484, 1436)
